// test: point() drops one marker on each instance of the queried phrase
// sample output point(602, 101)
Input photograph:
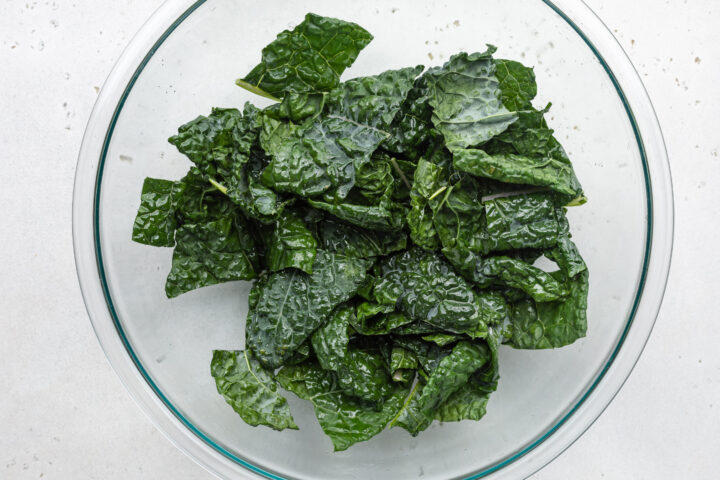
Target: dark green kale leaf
point(428, 354)
point(565, 253)
point(373, 178)
point(426, 288)
point(402, 360)
point(415, 328)
point(330, 342)
point(357, 242)
point(287, 306)
point(517, 85)
point(502, 270)
point(290, 244)
point(250, 389)
point(360, 373)
point(442, 339)
point(296, 107)
point(205, 254)
point(385, 215)
point(220, 145)
point(364, 375)
point(552, 324)
point(429, 183)
point(466, 99)
point(156, 222)
point(520, 221)
point(345, 420)
point(510, 168)
point(309, 58)
point(469, 402)
point(375, 319)
point(324, 154)
point(302, 353)
point(530, 136)
point(459, 219)
point(412, 127)
point(451, 373)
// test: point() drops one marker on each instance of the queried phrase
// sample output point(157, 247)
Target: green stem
point(439, 191)
point(254, 89)
point(217, 185)
point(401, 173)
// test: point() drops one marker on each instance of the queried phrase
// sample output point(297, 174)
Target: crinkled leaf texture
point(345, 420)
point(290, 245)
point(511, 168)
point(250, 389)
point(287, 306)
point(220, 145)
point(323, 154)
point(451, 374)
point(426, 288)
point(210, 253)
point(309, 58)
point(155, 222)
point(552, 324)
point(466, 99)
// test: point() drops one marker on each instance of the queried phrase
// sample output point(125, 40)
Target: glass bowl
point(185, 60)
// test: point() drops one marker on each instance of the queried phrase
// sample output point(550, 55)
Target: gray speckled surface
point(64, 414)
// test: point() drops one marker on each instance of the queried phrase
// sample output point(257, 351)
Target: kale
point(390, 224)
point(287, 306)
point(309, 58)
point(250, 389)
point(290, 244)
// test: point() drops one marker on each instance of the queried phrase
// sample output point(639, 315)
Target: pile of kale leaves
point(391, 223)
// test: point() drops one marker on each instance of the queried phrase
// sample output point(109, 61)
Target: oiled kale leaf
point(155, 222)
point(426, 288)
point(290, 244)
point(287, 306)
point(309, 58)
point(451, 373)
point(220, 145)
point(209, 253)
point(467, 100)
point(345, 420)
point(323, 154)
point(552, 324)
point(250, 389)
point(357, 242)
point(518, 169)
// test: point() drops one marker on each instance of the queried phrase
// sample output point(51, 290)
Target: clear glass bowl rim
point(215, 458)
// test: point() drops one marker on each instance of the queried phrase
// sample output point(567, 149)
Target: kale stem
point(255, 89)
point(445, 197)
point(217, 185)
point(439, 191)
point(400, 172)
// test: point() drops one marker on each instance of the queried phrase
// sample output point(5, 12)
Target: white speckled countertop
point(65, 415)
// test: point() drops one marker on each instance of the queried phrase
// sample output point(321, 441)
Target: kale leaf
point(451, 373)
point(552, 324)
point(426, 288)
point(466, 99)
point(517, 169)
point(287, 306)
point(156, 222)
point(290, 244)
point(209, 253)
point(345, 420)
point(250, 389)
point(323, 154)
point(310, 58)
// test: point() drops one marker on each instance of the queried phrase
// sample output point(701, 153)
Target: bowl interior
point(194, 69)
